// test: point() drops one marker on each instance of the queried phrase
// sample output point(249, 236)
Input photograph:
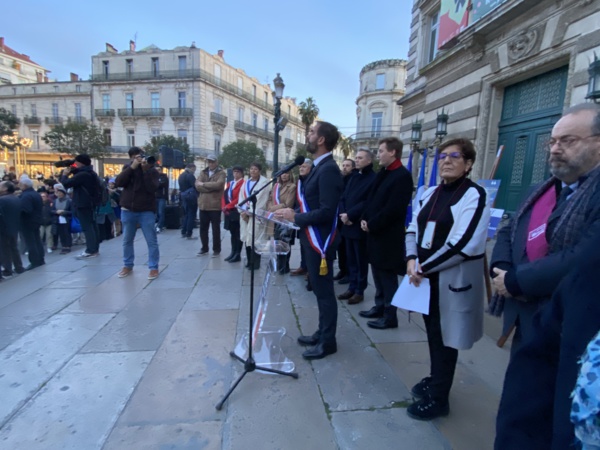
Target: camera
point(64, 163)
point(148, 159)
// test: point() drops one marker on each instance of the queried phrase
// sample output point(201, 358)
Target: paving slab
point(86, 277)
point(216, 289)
point(78, 407)
point(18, 318)
point(385, 429)
point(28, 363)
point(142, 324)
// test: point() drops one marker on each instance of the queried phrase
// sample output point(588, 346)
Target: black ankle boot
point(248, 257)
point(236, 254)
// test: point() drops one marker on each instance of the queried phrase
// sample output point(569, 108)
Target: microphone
point(297, 162)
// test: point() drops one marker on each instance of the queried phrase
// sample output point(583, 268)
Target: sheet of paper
point(62, 219)
point(412, 298)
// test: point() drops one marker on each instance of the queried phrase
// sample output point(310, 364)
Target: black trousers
point(342, 257)
point(443, 359)
point(386, 285)
point(234, 231)
point(210, 219)
point(64, 234)
point(33, 242)
point(358, 266)
point(89, 227)
point(190, 207)
point(323, 289)
point(11, 258)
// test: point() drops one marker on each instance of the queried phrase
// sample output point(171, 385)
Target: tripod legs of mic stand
point(249, 366)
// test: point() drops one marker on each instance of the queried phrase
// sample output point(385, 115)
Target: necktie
point(564, 194)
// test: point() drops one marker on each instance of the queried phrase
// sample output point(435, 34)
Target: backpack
point(100, 195)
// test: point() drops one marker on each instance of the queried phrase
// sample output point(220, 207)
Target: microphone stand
point(249, 363)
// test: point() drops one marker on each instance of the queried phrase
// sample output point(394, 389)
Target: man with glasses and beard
point(319, 195)
point(547, 237)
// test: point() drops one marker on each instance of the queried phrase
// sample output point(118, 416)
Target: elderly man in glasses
point(547, 237)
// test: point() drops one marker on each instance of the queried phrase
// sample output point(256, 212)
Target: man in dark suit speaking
point(319, 196)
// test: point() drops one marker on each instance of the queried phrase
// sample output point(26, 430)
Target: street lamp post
point(441, 129)
point(280, 122)
point(594, 80)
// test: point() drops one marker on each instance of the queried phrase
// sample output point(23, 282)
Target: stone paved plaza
point(91, 361)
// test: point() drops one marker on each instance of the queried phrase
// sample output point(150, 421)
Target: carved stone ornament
point(217, 128)
point(129, 120)
point(155, 122)
point(105, 121)
point(522, 45)
point(475, 44)
point(182, 124)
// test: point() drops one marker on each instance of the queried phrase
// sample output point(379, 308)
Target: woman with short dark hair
point(445, 243)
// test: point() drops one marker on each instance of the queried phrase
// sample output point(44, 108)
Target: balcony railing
point(104, 112)
point(141, 112)
point(218, 118)
point(54, 120)
point(181, 112)
point(33, 120)
point(77, 119)
point(241, 126)
point(194, 74)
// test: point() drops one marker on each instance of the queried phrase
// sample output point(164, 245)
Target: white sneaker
point(49, 250)
point(85, 255)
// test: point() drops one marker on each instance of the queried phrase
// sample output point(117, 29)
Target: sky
point(319, 47)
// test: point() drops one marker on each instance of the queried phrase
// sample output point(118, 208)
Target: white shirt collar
point(320, 158)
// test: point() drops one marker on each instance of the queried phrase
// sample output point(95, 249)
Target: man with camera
point(79, 175)
point(139, 180)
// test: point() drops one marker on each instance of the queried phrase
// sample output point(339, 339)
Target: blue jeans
point(161, 204)
point(130, 220)
point(190, 209)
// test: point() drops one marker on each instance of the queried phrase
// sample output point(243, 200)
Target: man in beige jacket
point(210, 185)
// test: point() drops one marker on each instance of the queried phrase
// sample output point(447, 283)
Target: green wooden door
point(530, 110)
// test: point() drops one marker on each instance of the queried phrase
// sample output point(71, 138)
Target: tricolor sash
point(314, 237)
point(276, 198)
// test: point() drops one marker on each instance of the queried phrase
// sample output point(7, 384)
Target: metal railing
point(54, 120)
point(241, 126)
point(218, 118)
point(194, 74)
point(77, 119)
point(104, 112)
point(141, 112)
point(33, 120)
point(181, 112)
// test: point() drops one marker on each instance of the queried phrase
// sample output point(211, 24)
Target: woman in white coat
point(446, 244)
point(254, 182)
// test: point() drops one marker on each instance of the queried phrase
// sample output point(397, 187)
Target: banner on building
point(482, 7)
point(454, 18)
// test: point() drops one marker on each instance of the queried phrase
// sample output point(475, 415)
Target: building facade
point(133, 96)
point(40, 106)
point(382, 83)
point(503, 71)
point(189, 93)
point(16, 67)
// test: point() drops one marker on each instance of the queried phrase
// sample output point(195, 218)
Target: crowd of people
point(358, 215)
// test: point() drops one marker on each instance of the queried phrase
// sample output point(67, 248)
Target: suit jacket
point(31, 208)
point(322, 189)
point(385, 214)
point(354, 201)
point(10, 209)
point(534, 282)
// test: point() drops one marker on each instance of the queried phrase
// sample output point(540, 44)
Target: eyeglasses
point(568, 141)
point(453, 155)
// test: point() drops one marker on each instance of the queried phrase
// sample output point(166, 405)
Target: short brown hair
point(393, 143)
point(467, 149)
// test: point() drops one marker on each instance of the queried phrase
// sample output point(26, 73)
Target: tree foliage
point(308, 111)
point(8, 122)
point(75, 138)
point(152, 148)
point(345, 145)
point(242, 153)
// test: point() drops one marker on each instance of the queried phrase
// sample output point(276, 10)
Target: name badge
point(428, 234)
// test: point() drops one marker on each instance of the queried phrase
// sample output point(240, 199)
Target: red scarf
point(395, 165)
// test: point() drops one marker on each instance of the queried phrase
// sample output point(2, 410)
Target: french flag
point(434, 169)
